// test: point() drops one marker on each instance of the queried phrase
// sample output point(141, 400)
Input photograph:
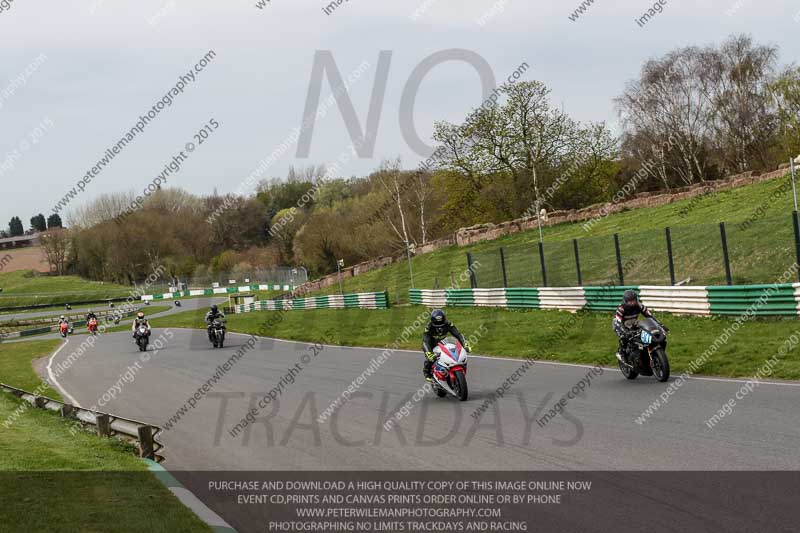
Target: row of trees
point(38, 223)
point(704, 113)
point(693, 115)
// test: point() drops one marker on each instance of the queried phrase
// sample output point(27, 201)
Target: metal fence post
point(503, 267)
point(472, 281)
point(577, 262)
point(146, 444)
point(725, 257)
point(103, 424)
point(619, 260)
point(541, 259)
point(796, 224)
point(671, 261)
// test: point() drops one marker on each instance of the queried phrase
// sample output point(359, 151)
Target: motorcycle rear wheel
point(627, 371)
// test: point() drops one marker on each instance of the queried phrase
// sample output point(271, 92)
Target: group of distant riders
point(213, 314)
point(439, 327)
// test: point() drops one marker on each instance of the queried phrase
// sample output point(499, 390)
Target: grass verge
point(759, 251)
point(587, 337)
point(53, 481)
point(29, 288)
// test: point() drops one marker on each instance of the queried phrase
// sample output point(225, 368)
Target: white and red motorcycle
point(450, 369)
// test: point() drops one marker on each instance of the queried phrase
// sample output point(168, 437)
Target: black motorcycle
point(142, 336)
point(217, 333)
point(646, 351)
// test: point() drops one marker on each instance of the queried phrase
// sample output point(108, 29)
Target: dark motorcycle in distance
point(646, 351)
point(142, 336)
point(217, 333)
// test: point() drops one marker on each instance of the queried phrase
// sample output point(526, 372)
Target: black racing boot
point(427, 370)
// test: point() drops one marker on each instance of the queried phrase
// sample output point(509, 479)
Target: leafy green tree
point(39, 223)
point(15, 228)
point(54, 221)
point(786, 89)
point(525, 138)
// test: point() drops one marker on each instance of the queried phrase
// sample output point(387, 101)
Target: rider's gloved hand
point(467, 347)
point(430, 355)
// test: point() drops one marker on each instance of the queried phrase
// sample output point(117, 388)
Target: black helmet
point(140, 315)
point(214, 308)
point(630, 296)
point(438, 317)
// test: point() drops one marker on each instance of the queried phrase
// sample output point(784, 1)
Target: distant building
point(23, 241)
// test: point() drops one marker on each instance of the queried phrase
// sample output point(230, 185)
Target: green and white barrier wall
point(367, 300)
point(216, 292)
point(762, 300)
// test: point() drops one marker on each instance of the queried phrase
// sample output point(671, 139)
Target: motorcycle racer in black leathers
point(437, 329)
point(140, 319)
point(211, 316)
point(626, 314)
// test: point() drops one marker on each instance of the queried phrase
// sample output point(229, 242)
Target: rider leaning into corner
point(627, 313)
point(437, 329)
point(90, 315)
point(211, 316)
point(140, 319)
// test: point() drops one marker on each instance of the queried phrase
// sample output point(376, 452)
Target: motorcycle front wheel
point(660, 365)
point(460, 385)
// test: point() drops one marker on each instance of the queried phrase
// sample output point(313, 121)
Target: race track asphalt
point(598, 430)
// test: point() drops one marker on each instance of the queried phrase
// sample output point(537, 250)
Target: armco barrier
point(366, 300)
point(216, 292)
point(733, 300)
point(762, 300)
point(145, 435)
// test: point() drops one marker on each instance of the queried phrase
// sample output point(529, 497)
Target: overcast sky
point(106, 62)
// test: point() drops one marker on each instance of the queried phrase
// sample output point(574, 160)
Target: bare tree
point(389, 177)
point(670, 114)
point(739, 75)
point(104, 208)
point(422, 190)
point(55, 246)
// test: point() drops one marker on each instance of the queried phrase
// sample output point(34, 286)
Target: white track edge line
point(53, 379)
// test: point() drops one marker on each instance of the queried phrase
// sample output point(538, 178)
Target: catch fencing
point(759, 300)
point(217, 291)
point(366, 300)
point(755, 251)
point(240, 276)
